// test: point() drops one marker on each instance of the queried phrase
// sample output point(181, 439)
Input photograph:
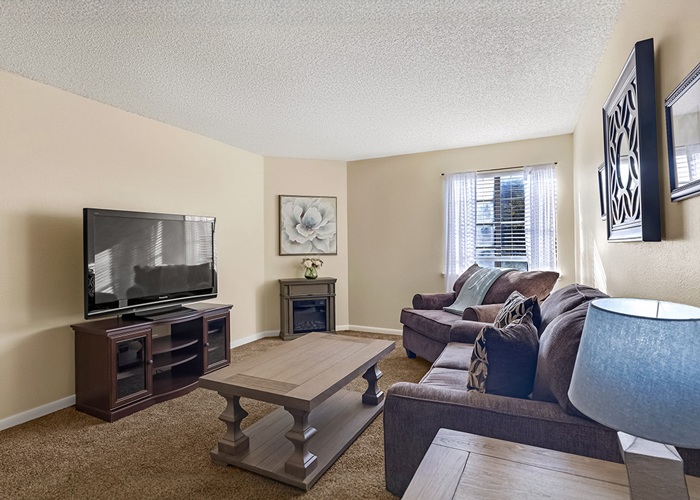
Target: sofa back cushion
point(504, 360)
point(528, 283)
point(564, 300)
point(557, 354)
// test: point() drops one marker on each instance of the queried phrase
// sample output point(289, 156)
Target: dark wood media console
point(125, 365)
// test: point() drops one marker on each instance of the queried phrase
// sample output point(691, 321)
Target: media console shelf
point(125, 365)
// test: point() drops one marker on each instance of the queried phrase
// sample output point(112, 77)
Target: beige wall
point(396, 223)
point(303, 177)
point(669, 270)
point(60, 153)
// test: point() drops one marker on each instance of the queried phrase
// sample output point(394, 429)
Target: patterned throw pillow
point(504, 360)
point(515, 308)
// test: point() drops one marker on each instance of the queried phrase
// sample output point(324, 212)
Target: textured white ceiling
point(338, 80)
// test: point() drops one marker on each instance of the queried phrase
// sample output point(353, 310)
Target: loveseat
point(413, 413)
point(427, 328)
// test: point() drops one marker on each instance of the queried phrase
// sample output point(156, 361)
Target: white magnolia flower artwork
point(307, 225)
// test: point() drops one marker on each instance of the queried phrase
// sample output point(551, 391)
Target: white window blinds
point(500, 220)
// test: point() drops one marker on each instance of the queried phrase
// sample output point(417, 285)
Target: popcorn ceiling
point(340, 80)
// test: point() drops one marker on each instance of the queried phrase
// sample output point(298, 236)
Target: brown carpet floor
point(163, 451)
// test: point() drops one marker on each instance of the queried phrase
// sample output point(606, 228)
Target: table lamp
point(638, 372)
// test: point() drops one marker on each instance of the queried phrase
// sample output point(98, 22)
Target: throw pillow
point(515, 308)
point(504, 360)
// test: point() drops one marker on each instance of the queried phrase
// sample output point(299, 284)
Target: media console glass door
point(131, 357)
point(216, 352)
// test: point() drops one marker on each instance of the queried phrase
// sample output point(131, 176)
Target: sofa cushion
point(459, 283)
point(435, 324)
point(564, 300)
point(446, 378)
point(456, 356)
point(466, 331)
point(528, 283)
point(515, 308)
point(557, 356)
point(504, 360)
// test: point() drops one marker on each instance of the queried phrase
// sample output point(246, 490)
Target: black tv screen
point(137, 262)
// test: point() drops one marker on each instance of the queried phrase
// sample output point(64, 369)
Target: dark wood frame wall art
point(691, 188)
point(631, 154)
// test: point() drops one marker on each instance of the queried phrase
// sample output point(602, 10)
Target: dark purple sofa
point(427, 329)
point(413, 413)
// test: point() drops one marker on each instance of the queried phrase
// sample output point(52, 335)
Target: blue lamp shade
point(638, 369)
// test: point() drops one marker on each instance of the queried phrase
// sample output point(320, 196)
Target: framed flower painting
point(308, 225)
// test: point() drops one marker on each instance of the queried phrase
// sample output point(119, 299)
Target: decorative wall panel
point(631, 158)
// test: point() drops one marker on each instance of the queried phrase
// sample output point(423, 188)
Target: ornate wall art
point(631, 157)
point(683, 133)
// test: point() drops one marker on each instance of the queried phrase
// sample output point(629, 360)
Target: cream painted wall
point(290, 176)
point(396, 223)
point(669, 270)
point(59, 153)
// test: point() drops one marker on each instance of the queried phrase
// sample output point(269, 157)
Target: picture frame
point(631, 152)
point(602, 190)
point(683, 136)
point(308, 225)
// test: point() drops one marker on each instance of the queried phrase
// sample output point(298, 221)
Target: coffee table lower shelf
point(339, 421)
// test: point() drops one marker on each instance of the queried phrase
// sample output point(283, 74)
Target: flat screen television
point(146, 263)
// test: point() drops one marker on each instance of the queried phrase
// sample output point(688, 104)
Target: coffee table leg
point(373, 395)
point(234, 441)
point(302, 462)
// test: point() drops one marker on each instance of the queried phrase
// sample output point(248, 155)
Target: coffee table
point(319, 420)
point(461, 466)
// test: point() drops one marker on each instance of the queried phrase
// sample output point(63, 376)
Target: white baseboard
point(37, 412)
point(254, 337)
point(372, 329)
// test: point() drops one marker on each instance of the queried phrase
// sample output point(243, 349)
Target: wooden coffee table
point(461, 466)
point(298, 443)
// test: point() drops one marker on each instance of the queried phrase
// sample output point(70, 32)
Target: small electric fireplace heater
point(306, 306)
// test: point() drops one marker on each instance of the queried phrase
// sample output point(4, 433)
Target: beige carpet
point(163, 451)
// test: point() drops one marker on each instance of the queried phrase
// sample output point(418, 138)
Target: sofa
point(413, 413)
point(427, 329)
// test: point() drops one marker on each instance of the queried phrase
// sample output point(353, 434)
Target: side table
point(463, 466)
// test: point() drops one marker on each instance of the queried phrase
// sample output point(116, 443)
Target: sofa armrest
point(433, 301)
point(485, 313)
point(413, 413)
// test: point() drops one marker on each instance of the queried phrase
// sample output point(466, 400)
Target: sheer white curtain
point(460, 225)
point(541, 217)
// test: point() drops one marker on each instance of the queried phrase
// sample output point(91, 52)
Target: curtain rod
point(504, 168)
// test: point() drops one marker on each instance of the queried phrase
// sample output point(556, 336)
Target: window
point(500, 221)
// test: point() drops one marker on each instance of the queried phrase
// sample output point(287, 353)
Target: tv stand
point(126, 364)
point(159, 314)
